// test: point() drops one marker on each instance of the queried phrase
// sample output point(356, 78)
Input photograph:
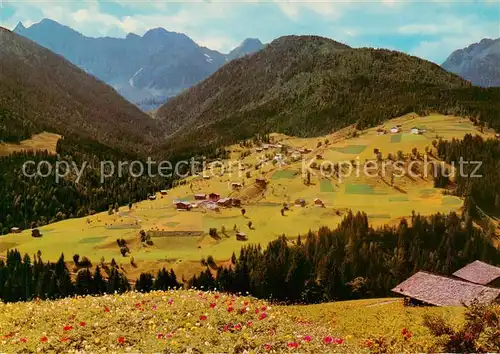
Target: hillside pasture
point(384, 201)
point(38, 142)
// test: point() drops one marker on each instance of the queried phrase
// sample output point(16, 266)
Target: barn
point(480, 273)
point(200, 196)
point(225, 202)
point(213, 197)
point(241, 236)
point(181, 205)
point(425, 288)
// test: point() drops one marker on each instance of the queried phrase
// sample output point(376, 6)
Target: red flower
point(106, 309)
point(338, 341)
point(160, 335)
point(216, 296)
point(170, 302)
point(267, 346)
point(328, 340)
point(64, 339)
point(23, 340)
point(256, 310)
point(404, 331)
point(68, 328)
point(203, 318)
point(121, 340)
point(226, 327)
point(143, 302)
point(245, 303)
point(154, 307)
point(293, 345)
point(44, 339)
point(307, 338)
point(262, 316)
point(249, 323)
point(237, 327)
point(230, 309)
point(212, 305)
point(263, 308)
point(137, 305)
point(368, 343)
point(83, 324)
point(242, 310)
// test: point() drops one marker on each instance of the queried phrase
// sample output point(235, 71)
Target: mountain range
point(479, 63)
point(145, 70)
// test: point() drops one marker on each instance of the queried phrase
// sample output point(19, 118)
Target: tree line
point(484, 191)
point(22, 279)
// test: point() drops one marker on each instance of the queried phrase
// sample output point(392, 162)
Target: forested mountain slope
point(40, 90)
point(307, 85)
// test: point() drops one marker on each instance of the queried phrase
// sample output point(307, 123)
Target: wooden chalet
point(241, 236)
point(225, 202)
point(300, 202)
point(200, 196)
point(181, 205)
point(236, 185)
point(480, 273)
point(152, 197)
point(261, 182)
point(163, 192)
point(425, 288)
point(213, 197)
point(15, 230)
point(319, 202)
point(236, 202)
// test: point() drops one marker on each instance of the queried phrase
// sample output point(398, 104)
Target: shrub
point(76, 258)
point(478, 334)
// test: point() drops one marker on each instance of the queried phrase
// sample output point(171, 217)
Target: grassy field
point(187, 238)
point(42, 141)
point(192, 321)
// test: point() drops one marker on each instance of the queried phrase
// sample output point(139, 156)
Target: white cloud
point(294, 9)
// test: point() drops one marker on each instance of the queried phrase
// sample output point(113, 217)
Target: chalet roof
point(442, 291)
point(182, 202)
point(478, 272)
point(224, 200)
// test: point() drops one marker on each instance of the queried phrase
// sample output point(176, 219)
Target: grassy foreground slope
point(178, 321)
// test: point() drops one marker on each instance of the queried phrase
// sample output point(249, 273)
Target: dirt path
point(383, 303)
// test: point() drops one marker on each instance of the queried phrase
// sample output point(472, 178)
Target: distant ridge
point(479, 63)
point(158, 65)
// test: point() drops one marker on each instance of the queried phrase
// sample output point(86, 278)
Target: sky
point(430, 29)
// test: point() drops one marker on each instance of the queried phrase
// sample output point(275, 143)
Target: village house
point(15, 230)
point(200, 196)
point(225, 202)
point(163, 192)
point(182, 205)
point(236, 185)
point(319, 202)
point(381, 131)
point(152, 197)
point(425, 288)
point(259, 149)
point(236, 202)
point(214, 197)
point(300, 202)
point(241, 236)
point(480, 273)
point(395, 130)
point(261, 182)
point(497, 135)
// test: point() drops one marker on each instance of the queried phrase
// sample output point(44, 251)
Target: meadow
point(194, 321)
point(184, 236)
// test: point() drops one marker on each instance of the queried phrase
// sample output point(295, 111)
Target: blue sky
point(430, 29)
